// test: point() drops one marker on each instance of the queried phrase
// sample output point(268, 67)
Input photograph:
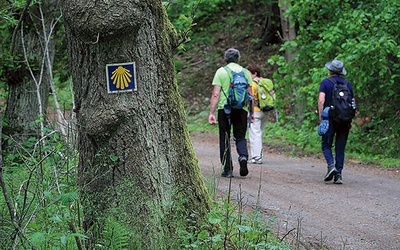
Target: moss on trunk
point(137, 163)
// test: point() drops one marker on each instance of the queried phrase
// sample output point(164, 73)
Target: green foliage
point(12, 65)
point(301, 140)
point(7, 20)
point(228, 227)
point(364, 36)
point(296, 140)
point(114, 236)
point(188, 17)
point(182, 12)
point(64, 94)
point(40, 179)
point(199, 121)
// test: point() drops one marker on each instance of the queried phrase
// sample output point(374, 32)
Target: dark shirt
point(327, 88)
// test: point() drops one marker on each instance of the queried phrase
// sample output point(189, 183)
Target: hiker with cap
point(333, 88)
point(231, 116)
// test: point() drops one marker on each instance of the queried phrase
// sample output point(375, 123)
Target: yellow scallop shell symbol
point(121, 77)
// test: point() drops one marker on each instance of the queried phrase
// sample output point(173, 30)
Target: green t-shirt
point(222, 79)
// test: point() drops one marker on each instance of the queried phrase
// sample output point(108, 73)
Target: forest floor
point(363, 213)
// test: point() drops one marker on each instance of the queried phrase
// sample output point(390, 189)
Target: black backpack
point(341, 107)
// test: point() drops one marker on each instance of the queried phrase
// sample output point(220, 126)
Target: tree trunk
point(137, 164)
point(28, 80)
point(288, 29)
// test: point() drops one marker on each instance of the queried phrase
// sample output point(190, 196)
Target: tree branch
point(27, 3)
point(11, 210)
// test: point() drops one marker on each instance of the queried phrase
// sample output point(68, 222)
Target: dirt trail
point(363, 213)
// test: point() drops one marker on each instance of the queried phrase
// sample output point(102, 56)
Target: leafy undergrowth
point(228, 226)
point(40, 186)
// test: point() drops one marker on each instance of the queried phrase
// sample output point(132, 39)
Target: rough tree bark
point(137, 164)
point(28, 83)
point(288, 29)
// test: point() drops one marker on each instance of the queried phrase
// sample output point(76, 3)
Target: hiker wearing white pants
point(257, 127)
point(256, 132)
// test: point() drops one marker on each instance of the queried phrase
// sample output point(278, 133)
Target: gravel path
point(363, 213)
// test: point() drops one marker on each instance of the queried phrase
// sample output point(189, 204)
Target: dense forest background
point(363, 34)
point(39, 158)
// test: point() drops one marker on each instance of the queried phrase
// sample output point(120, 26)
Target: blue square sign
point(121, 77)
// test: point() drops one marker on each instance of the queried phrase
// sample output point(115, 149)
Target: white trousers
point(256, 131)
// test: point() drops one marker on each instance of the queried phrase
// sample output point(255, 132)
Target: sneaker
point(332, 171)
point(227, 174)
point(256, 160)
point(338, 179)
point(243, 166)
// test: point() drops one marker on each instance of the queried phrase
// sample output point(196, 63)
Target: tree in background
point(137, 164)
point(288, 29)
point(364, 35)
point(27, 66)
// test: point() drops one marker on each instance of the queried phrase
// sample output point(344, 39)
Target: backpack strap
point(229, 71)
point(332, 80)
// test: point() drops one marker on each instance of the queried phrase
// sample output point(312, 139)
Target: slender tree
point(137, 164)
point(288, 29)
point(31, 52)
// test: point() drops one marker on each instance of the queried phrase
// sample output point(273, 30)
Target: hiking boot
point(243, 166)
point(332, 171)
point(256, 160)
point(227, 174)
point(338, 179)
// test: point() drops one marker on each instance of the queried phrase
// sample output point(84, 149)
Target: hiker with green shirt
point(230, 115)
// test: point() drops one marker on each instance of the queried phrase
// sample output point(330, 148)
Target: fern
point(68, 198)
point(114, 236)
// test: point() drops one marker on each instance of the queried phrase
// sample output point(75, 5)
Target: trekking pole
point(250, 118)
